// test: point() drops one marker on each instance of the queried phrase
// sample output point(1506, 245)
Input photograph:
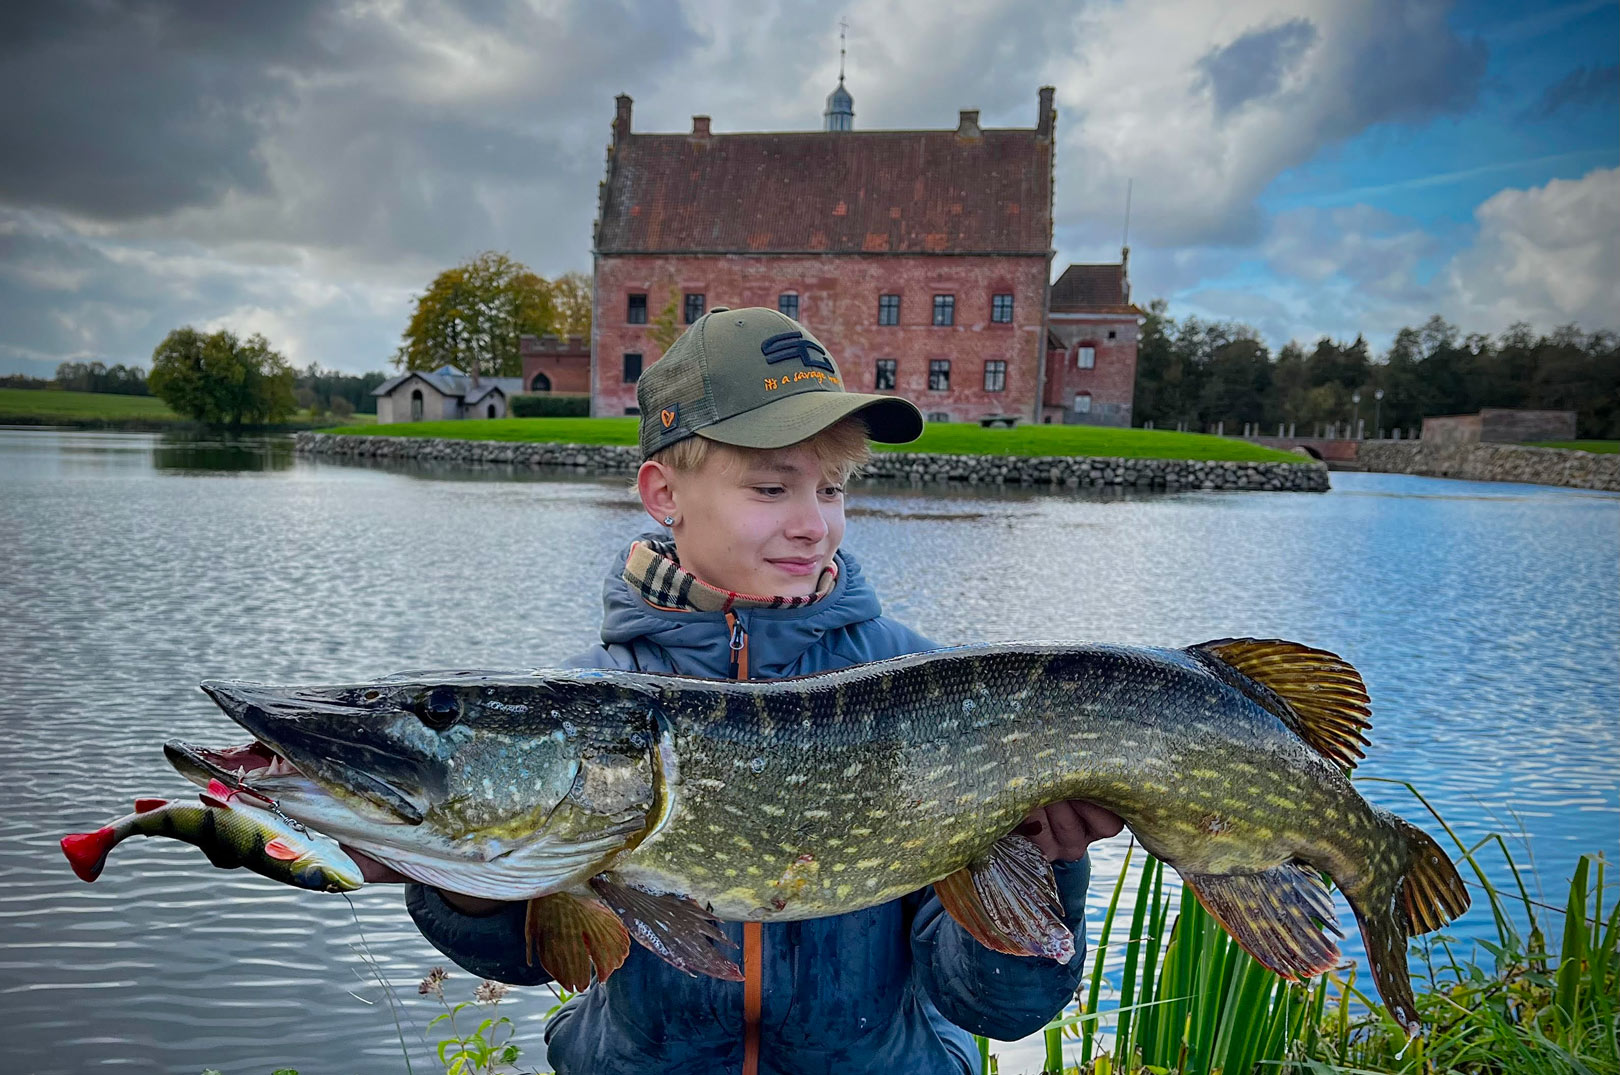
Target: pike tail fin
point(1427, 896)
point(1279, 916)
point(87, 851)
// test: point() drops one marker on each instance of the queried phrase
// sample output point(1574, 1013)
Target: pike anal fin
point(673, 928)
point(1278, 916)
point(1008, 901)
point(572, 935)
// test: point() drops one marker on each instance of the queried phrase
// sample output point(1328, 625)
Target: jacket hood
point(699, 643)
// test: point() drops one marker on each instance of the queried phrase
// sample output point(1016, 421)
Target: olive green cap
point(757, 379)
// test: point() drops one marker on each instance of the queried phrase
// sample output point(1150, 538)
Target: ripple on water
point(1483, 617)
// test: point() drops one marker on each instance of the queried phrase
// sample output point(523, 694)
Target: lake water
point(1485, 619)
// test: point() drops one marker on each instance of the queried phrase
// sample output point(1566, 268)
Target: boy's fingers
point(1068, 829)
point(1101, 821)
point(374, 872)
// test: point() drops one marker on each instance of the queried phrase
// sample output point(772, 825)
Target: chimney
point(1043, 122)
point(967, 123)
point(700, 126)
point(621, 119)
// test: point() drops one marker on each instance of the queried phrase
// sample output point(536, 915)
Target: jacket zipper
point(753, 933)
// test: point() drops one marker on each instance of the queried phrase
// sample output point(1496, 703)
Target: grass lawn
point(33, 406)
point(1602, 447)
point(954, 438)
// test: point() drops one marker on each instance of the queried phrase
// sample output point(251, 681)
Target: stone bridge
point(1335, 452)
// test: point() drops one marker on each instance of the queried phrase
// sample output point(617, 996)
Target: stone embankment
point(1493, 463)
point(1049, 471)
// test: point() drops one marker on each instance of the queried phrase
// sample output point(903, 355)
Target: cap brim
point(785, 421)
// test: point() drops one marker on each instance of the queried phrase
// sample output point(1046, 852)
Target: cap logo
point(670, 416)
point(786, 346)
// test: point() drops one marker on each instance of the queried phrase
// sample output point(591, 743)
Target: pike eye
point(438, 709)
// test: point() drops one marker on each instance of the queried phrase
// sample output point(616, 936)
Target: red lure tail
point(87, 851)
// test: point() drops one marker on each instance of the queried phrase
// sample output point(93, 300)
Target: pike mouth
point(242, 767)
point(282, 724)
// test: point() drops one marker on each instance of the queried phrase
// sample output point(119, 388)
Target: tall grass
point(1540, 998)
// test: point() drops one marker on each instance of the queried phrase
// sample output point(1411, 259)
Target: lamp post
point(1355, 397)
point(1378, 410)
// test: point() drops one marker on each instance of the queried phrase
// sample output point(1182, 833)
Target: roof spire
point(840, 113)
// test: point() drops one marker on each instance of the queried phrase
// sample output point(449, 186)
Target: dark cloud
point(1419, 70)
point(1252, 67)
point(121, 110)
point(1581, 87)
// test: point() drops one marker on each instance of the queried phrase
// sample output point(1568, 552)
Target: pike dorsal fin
point(1008, 901)
point(1316, 693)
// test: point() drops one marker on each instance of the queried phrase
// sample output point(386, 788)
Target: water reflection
point(192, 453)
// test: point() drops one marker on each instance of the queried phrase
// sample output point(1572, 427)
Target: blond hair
point(841, 450)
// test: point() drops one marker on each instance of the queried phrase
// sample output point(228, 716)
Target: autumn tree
point(571, 295)
point(220, 379)
point(474, 316)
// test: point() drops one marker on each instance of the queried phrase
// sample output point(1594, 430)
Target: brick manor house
point(922, 259)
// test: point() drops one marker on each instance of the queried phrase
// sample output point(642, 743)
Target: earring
point(669, 520)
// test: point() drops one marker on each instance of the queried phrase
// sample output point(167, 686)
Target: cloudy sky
point(302, 168)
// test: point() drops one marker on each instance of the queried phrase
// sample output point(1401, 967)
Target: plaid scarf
point(653, 570)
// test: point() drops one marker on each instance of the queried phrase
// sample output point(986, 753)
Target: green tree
point(474, 316)
point(220, 379)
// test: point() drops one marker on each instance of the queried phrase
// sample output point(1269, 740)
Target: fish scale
point(664, 800)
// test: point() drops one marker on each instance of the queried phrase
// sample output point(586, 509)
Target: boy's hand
point(1063, 830)
point(375, 873)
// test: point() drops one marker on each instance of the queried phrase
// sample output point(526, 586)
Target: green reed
point(1541, 1000)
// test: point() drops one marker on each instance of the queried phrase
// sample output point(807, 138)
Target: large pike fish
point(628, 805)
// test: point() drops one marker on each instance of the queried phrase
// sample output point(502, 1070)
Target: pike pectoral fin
point(673, 928)
point(1325, 700)
point(571, 935)
point(1277, 916)
point(1009, 902)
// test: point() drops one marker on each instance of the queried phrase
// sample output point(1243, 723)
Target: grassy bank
point(1602, 447)
point(93, 410)
point(957, 438)
point(104, 410)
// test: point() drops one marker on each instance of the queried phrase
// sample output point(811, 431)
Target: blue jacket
point(895, 989)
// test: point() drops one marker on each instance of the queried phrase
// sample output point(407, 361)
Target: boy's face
point(758, 522)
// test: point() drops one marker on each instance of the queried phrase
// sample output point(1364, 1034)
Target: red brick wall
point(570, 374)
point(1111, 382)
point(838, 302)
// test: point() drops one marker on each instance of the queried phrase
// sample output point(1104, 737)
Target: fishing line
point(388, 993)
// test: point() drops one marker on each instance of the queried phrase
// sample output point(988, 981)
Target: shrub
point(551, 406)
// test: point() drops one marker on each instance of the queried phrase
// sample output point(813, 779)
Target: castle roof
point(964, 191)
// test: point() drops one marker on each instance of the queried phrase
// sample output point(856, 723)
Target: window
point(939, 375)
point(631, 412)
point(635, 311)
point(944, 309)
point(632, 368)
point(885, 374)
point(694, 307)
point(541, 383)
point(939, 416)
point(1112, 334)
point(1086, 357)
point(888, 309)
point(1001, 309)
point(1082, 403)
point(995, 376)
point(787, 304)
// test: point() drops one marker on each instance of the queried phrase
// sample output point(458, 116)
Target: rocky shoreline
point(1057, 472)
point(1493, 463)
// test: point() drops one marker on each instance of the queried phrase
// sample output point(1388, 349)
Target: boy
point(748, 437)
